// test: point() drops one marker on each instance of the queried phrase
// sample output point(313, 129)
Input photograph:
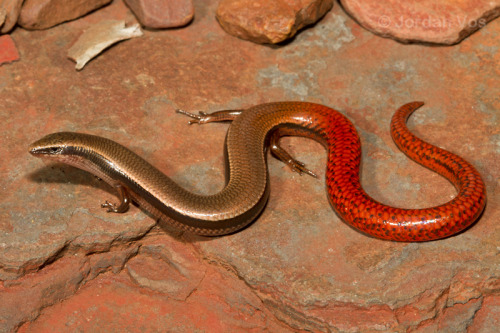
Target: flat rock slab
point(8, 50)
point(68, 265)
point(441, 22)
point(160, 14)
point(43, 14)
point(264, 21)
point(9, 13)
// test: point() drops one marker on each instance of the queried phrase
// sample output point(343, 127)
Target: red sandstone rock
point(111, 303)
point(487, 318)
point(10, 10)
point(166, 266)
point(159, 14)
point(441, 22)
point(3, 16)
point(43, 14)
point(8, 51)
point(298, 266)
point(263, 21)
point(23, 299)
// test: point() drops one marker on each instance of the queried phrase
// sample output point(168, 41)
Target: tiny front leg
point(124, 201)
point(285, 157)
point(204, 118)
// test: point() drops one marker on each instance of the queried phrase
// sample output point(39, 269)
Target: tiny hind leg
point(281, 154)
point(217, 116)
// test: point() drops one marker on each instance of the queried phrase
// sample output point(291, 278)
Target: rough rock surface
point(263, 21)
point(9, 10)
point(159, 14)
point(8, 50)
point(442, 22)
point(3, 16)
point(67, 265)
point(43, 14)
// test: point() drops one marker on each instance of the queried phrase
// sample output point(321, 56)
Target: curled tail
point(382, 221)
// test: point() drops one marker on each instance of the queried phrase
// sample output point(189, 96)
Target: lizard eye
point(55, 150)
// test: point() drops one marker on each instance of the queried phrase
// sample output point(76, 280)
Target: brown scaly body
point(245, 194)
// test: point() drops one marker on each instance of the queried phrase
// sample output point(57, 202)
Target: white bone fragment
point(98, 37)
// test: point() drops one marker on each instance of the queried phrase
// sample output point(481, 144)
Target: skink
point(251, 134)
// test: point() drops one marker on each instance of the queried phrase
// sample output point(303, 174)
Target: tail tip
point(416, 104)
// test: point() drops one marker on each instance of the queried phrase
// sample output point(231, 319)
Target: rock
point(114, 260)
point(8, 50)
point(298, 265)
point(263, 21)
point(24, 299)
point(43, 14)
point(99, 37)
point(166, 266)
point(443, 22)
point(486, 319)
point(159, 14)
point(3, 16)
point(9, 10)
point(111, 303)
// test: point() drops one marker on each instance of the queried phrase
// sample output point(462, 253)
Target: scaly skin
point(251, 133)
